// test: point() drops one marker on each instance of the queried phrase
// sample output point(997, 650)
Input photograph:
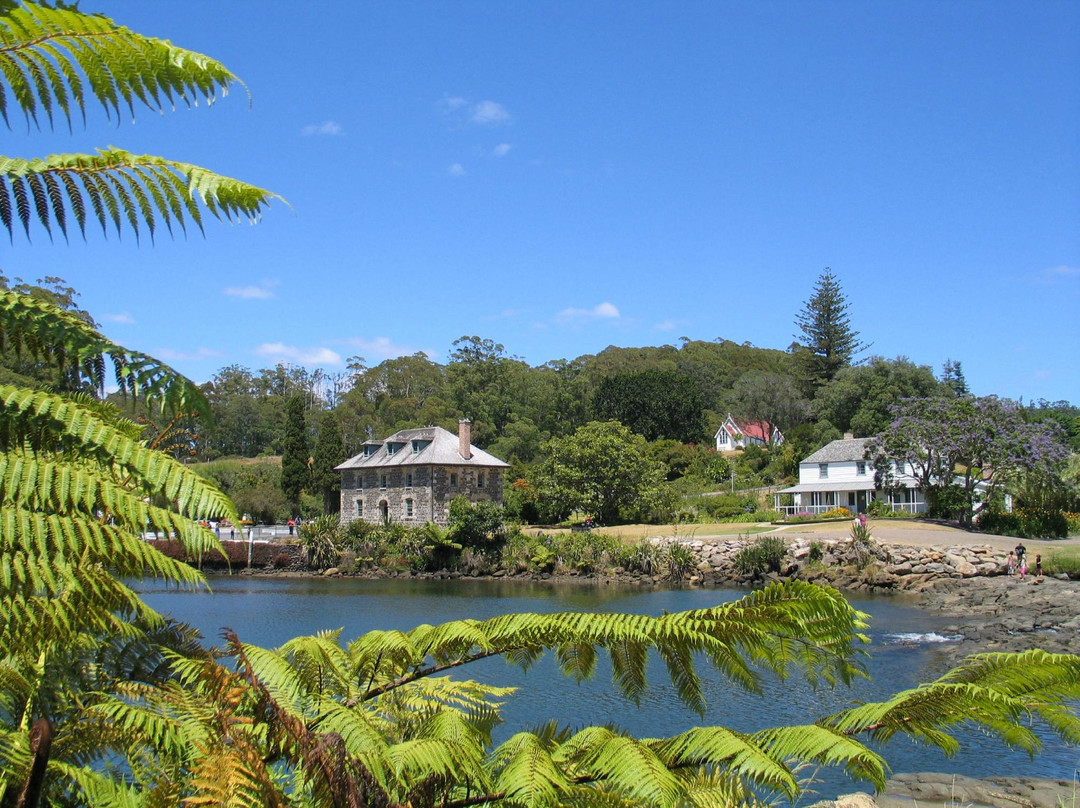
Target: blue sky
point(563, 176)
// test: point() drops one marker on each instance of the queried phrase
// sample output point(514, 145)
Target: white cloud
point(601, 311)
point(456, 170)
point(380, 348)
point(123, 318)
point(505, 314)
point(490, 112)
point(249, 292)
point(331, 128)
point(667, 325)
point(502, 150)
point(171, 355)
point(453, 102)
point(1058, 274)
point(281, 352)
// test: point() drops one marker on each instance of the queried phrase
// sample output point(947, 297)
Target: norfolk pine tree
point(828, 341)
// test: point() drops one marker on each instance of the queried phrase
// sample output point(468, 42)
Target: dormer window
point(369, 450)
point(391, 448)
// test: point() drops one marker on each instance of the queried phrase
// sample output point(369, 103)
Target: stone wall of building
point(430, 489)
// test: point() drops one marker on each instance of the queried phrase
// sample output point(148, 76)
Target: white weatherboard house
point(839, 476)
point(412, 476)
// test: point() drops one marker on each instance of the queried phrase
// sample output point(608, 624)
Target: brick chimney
point(464, 434)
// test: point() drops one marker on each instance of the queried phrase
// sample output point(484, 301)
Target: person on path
point(1038, 565)
point(1021, 554)
point(292, 526)
point(1010, 565)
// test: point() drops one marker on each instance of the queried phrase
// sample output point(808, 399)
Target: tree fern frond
point(526, 772)
point(120, 66)
point(997, 692)
point(26, 411)
point(126, 187)
point(625, 764)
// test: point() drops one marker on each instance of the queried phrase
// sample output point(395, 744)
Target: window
point(899, 467)
point(823, 471)
point(382, 480)
point(408, 507)
point(408, 479)
point(360, 481)
point(391, 448)
point(453, 479)
point(359, 507)
point(860, 468)
point(479, 479)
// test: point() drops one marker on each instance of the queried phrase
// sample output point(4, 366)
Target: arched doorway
point(384, 512)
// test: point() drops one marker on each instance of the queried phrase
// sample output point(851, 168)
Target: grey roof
point(839, 451)
point(441, 451)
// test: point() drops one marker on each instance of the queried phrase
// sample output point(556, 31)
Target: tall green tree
point(827, 342)
point(603, 470)
point(861, 397)
point(964, 450)
point(770, 399)
point(329, 452)
point(295, 458)
point(656, 404)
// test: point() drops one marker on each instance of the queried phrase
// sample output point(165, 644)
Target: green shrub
point(764, 555)
point(726, 506)
point(816, 553)
point(836, 513)
point(1026, 523)
point(680, 561)
point(1065, 560)
point(642, 556)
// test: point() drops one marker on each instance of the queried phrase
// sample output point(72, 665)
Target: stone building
point(412, 476)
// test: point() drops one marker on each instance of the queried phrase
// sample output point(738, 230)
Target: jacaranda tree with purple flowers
point(963, 450)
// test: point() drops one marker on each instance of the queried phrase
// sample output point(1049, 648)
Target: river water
point(267, 611)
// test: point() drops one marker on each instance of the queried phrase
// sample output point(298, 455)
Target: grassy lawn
point(1065, 559)
point(637, 532)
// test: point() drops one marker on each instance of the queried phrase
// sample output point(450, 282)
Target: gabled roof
point(751, 429)
point(438, 447)
point(755, 429)
point(840, 450)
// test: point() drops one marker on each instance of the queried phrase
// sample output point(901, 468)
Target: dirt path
point(924, 534)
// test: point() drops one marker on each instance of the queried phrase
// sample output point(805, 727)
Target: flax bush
point(764, 555)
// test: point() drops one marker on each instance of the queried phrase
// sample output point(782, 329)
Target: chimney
point(464, 435)
point(849, 436)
